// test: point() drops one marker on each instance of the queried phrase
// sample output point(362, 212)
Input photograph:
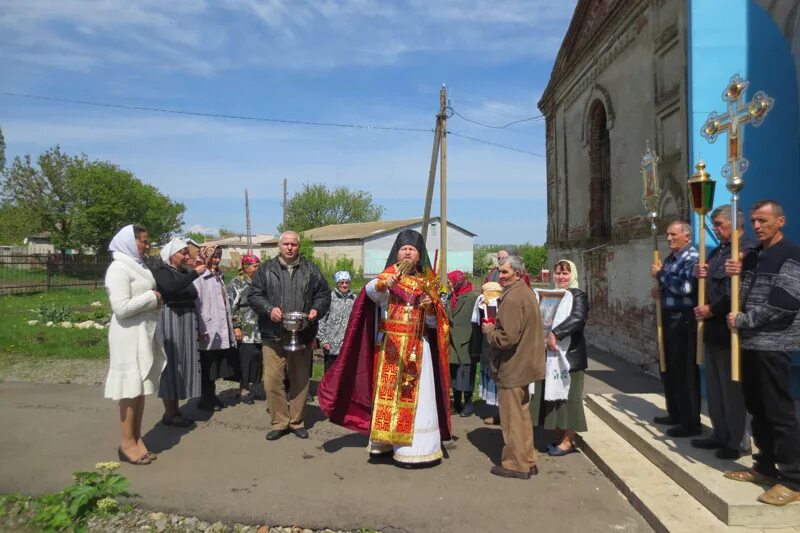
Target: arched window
point(600, 173)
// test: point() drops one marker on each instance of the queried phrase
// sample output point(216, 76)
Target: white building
point(368, 243)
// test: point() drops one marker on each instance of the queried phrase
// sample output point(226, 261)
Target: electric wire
point(262, 119)
point(216, 115)
point(536, 117)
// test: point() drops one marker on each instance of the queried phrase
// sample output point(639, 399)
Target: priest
point(391, 379)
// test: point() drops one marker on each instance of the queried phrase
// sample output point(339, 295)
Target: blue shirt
point(676, 279)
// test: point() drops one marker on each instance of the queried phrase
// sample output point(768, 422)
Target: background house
point(368, 243)
point(233, 248)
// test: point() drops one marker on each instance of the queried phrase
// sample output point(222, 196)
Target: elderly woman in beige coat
point(135, 344)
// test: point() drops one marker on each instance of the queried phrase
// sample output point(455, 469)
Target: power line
point(259, 119)
point(216, 115)
point(536, 117)
point(495, 144)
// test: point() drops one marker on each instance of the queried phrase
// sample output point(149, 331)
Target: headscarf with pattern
point(461, 285)
point(206, 252)
point(250, 259)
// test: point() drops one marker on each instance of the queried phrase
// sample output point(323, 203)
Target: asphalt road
point(223, 469)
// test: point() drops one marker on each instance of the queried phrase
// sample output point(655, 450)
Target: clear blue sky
point(366, 62)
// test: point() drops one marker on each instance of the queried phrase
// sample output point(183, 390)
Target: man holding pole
point(681, 378)
point(770, 331)
point(725, 400)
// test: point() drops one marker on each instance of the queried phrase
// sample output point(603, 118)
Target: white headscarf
point(171, 248)
point(342, 275)
point(124, 242)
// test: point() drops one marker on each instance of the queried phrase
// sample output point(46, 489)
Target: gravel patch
point(40, 370)
point(153, 522)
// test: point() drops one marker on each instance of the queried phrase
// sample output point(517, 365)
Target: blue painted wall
point(738, 36)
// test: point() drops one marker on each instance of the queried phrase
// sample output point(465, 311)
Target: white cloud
point(199, 228)
point(202, 37)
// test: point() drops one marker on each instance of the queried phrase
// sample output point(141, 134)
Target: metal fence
point(40, 272)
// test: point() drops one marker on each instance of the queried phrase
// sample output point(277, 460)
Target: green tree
point(16, 224)
point(45, 192)
point(108, 198)
point(2, 152)
point(535, 258)
point(82, 203)
point(198, 237)
point(316, 206)
point(307, 249)
point(224, 233)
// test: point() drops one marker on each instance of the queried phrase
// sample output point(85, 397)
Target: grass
point(17, 338)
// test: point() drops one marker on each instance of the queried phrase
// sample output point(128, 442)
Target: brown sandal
point(143, 460)
point(749, 476)
point(780, 495)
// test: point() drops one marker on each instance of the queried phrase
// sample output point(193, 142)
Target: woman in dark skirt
point(245, 327)
point(219, 358)
point(463, 359)
point(178, 322)
point(566, 417)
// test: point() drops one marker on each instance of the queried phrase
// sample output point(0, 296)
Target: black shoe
point(681, 431)
point(664, 420)
point(498, 470)
point(727, 453)
point(275, 434)
point(300, 433)
point(247, 398)
point(534, 470)
point(469, 409)
point(706, 444)
point(208, 405)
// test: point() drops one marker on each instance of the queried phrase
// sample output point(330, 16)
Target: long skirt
point(181, 377)
point(251, 363)
point(426, 445)
point(563, 414)
point(462, 377)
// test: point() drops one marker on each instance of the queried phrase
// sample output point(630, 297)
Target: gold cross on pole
point(738, 114)
point(650, 198)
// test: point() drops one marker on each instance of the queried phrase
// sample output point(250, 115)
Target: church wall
point(638, 71)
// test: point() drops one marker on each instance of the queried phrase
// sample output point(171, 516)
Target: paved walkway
point(223, 469)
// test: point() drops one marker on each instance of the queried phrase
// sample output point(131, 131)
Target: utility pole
point(439, 153)
point(443, 186)
point(247, 222)
point(285, 205)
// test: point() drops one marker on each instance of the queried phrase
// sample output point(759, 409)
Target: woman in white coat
point(135, 345)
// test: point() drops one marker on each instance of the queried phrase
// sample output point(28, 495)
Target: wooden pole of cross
point(739, 112)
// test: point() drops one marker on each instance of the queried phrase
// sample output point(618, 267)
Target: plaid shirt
point(678, 290)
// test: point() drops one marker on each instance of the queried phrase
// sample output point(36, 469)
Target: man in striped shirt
point(678, 297)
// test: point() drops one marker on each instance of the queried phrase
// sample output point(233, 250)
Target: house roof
point(241, 240)
point(365, 230)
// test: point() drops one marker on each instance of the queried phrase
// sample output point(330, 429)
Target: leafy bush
point(344, 263)
point(51, 313)
point(92, 493)
point(97, 315)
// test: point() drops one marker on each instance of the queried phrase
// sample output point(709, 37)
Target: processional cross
point(738, 114)
point(650, 198)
